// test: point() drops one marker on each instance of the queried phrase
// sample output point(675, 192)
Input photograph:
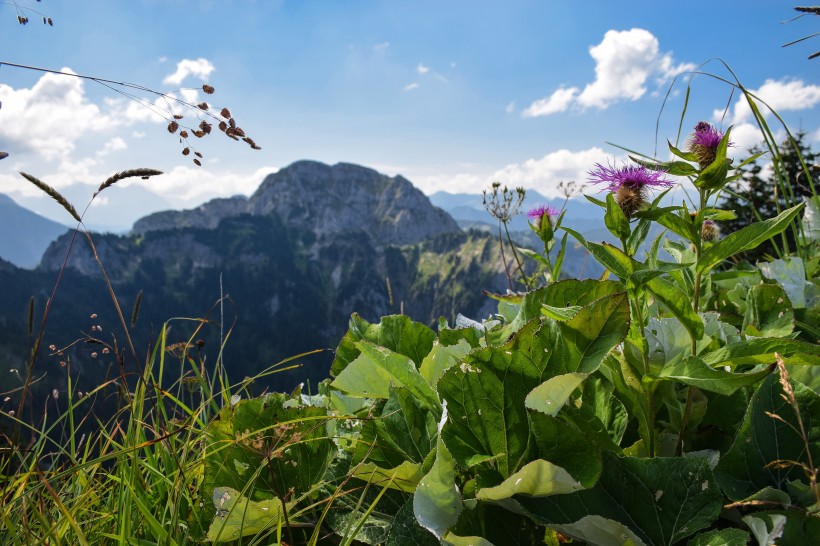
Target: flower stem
point(517, 259)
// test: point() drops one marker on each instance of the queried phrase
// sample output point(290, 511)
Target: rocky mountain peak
point(346, 197)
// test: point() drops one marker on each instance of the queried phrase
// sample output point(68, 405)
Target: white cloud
point(411, 86)
point(510, 107)
point(191, 186)
point(559, 101)
point(114, 145)
point(780, 95)
point(544, 174)
point(51, 116)
point(200, 68)
point(744, 136)
point(624, 63)
point(421, 69)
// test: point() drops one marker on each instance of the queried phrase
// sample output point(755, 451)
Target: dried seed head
point(197, 162)
point(186, 151)
point(202, 105)
point(173, 126)
point(183, 134)
point(709, 231)
point(225, 113)
point(208, 89)
point(222, 127)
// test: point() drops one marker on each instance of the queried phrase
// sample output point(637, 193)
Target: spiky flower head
point(537, 214)
point(709, 231)
point(629, 183)
point(704, 142)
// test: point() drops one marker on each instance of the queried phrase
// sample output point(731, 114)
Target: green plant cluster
point(666, 403)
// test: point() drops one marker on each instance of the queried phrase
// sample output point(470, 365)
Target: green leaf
point(236, 516)
point(688, 156)
point(395, 332)
point(560, 313)
point(791, 275)
point(536, 479)
point(661, 500)
point(678, 303)
point(550, 396)
point(600, 531)
point(376, 369)
point(694, 372)
point(480, 428)
point(615, 220)
point(721, 537)
point(572, 448)
point(768, 312)
point(437, 500)
point(406, 531)
point(762, 351)
point(404, 477)
point(745, 239)
point(762, 440)
point(811, 219)
point(784, 527)
point(267, 446)
point(638, 236)
point(402, 432)
point(441, 358)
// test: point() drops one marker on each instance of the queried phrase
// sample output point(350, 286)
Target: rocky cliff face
point(325, 200)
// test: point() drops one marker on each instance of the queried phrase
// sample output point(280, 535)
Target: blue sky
point(451, 94)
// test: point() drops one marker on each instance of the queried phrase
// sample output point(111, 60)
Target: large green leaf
point(486, 392)
point(694, 372)
point(791, 275)
point(762, 351)
point(536, 478)
point(237, 516)
point(442, 357)
point(768, 312)
point(437, 499)
point(661, 500)
point(268, 446)
point(565, 442)
point(721, 537)
point(745, 239)
point(395, 332)
point(678, 303)
point(376, 369)
point(404, 431)
point(784, 527)
point(762, 440)
point(406, 531)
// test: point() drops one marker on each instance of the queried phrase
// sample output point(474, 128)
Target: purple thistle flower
point(629, 184)
point(704, 142)
point(633, 177)
point(538, 212)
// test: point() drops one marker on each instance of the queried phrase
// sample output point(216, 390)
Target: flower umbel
point(629, 184)
point(537, 214)
point(704, 142)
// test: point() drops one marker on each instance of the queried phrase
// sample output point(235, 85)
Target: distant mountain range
point(26, 234)
point(285, 268)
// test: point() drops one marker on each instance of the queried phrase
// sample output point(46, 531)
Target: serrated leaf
point(768, 312)
point(762, 440)
point(376, 369)
point(395, 332)
point(661, 500)
point(442, 357)
point(551, 395)
point(678, 303)
point(536, 479)
point(694, 372)
point(479, 428)
point(791, 275)
point(746, 239)
point(237, 516)
point(406, 531)
point(615, 220)
point(762, 351)
point(437, 499)
point(721, 537)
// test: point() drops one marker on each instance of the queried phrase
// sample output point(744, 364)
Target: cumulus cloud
point(559, 101)
point(51, 116)
point(421, 69)
point(114, 145)
point(780, 95)
point(411, 86)
point(542, 174)
point(200, 68)
point(191, 186)
point(625, 62)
